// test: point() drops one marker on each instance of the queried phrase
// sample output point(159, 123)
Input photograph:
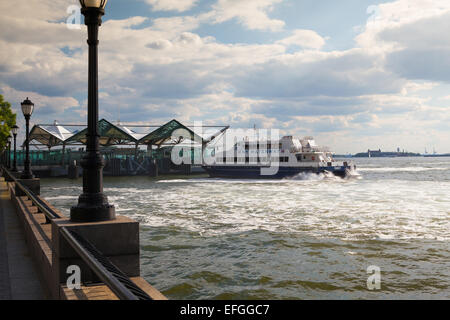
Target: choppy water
point(310, 237)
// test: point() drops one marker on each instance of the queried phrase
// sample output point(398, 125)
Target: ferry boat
point(284, 158)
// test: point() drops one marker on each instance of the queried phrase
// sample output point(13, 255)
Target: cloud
point(430, 64)
point(47, 10)
point(155, 69)
point(253, 14)
point(44, 104)
point(397, 14)
point(304, 39)
point(411, 35)
point(175, 25)
point(421, 49)
point(172, 5)
point(343, 74)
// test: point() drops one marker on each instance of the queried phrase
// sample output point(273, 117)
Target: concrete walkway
point(18, 273)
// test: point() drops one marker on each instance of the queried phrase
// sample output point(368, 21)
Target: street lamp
point(14, 130)
point(93, 203)
point(8, 162)
point(27, 110)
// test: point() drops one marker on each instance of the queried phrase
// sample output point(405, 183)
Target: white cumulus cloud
point(172, 5)
point(304, 39)
point(253, 14)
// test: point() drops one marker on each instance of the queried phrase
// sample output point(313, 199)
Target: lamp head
point(14, 129)
point(100, 4)
point(27, 107)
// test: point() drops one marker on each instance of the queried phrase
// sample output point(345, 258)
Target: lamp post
point(15, 130)
point(8, 161)
point(93, 203)
point(27, 110)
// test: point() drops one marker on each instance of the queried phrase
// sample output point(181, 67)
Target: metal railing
point(115, 279)
point(38, 202)
point(119, 283)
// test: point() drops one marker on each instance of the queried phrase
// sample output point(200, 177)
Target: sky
point(355, 74)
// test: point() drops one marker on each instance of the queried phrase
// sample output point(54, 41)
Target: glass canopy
point(111, 134)
point(173, 132)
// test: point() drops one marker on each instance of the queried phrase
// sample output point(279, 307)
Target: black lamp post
point(27, 110)
point(92, 204)
point(8, 162)
point(14, 131)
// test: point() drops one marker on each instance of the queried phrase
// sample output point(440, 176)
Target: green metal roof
point(172, 131)
point(109, 133)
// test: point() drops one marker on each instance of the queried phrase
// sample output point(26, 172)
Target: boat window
point(299, 157)
point(263, 159)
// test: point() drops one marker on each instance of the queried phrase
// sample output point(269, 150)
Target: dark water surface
point(310, 237)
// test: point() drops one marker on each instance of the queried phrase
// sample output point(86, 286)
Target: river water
point(310, 237)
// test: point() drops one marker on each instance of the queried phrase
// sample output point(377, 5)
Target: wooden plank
point(102, 292)
point(149, 289)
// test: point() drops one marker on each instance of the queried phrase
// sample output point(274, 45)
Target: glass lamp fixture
point(14, 129)
point(100, 4)
point(27, 108)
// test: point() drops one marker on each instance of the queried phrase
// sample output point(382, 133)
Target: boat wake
point(310, 176)
point(352, 174)
point(326, 175)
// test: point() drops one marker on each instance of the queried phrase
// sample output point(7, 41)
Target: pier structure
point(45, 255)
point(58, 147)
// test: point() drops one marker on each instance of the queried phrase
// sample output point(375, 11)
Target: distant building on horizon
point(378, 153)
point(374, 153)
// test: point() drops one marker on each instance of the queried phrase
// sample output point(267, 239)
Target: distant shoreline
point(391, 155)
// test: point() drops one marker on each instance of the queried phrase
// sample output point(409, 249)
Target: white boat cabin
point(288, 151)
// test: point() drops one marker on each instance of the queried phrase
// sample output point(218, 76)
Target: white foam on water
point(61, 198)
point(319, 205)
point(309, 176)
point(346, 211)
point(173, 180)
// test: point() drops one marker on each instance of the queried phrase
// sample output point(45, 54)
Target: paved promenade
point(18, 273)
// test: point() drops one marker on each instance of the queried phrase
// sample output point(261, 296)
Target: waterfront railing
point(119, 283)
